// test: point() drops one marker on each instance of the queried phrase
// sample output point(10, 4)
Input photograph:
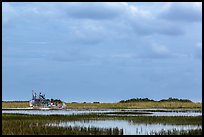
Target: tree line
point(162, 100)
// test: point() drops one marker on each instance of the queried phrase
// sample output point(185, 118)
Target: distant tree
point(175, 100)
point(136, 100)
point(96, 102)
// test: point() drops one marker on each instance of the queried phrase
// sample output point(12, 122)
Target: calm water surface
point(129, 128)
point(75, 111)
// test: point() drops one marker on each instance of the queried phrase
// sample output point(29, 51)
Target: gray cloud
point(145, 26)
point(72, 32)
point(88, 10)
point(69, 56)
point(95, 10)
point(148, 29)
point(198, 51)
point(189, 12)
point(103, 47)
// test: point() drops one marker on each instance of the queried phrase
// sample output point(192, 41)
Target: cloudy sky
point(102, 51)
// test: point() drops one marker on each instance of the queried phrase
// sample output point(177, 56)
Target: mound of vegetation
point(175, 100)
point(56, 100)
point(136, 100)
point(147, 100)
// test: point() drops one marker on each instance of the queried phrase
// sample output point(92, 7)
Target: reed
point(177, 120)
point(22, 124)
point(27, 127)
point(15, 104)
point(129, 105)
point(178, 132)
point(134, 105)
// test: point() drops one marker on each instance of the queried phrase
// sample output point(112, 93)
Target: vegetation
point(15, 104)
point(147, 100)
point(175, 120)
point(179, 120)
point(18, 127)
point(136, 100)
point(178, 132)
point(56, 100)
point(170, 103)
point(22, 124)
point(135, 105)
point(175, 100)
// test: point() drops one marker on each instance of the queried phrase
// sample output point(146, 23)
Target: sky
point(106, 52)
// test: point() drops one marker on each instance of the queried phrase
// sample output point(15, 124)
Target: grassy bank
point(134, 105)
point(15, 104)
point(177, 120)
point(131, 105)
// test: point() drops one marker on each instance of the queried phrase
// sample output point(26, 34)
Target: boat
point(39, 101)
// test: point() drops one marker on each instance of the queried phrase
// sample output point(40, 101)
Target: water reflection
point(149, 112)
point(128, 127)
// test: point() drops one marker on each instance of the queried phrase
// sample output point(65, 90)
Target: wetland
point(129, 118)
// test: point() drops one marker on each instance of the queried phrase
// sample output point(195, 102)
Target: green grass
point(179, 120)
point(134, 105)
point(131, 105)
point(22, 124)
point(16, 104)
point(26, 127)
point(178, 132)
point(174, 120)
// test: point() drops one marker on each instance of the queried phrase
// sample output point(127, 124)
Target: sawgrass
point(22, 124)
point(134, 105)
point(26, 127)
point(178, 132)
point(15, 104)
point(179, 120)
point(131, 105)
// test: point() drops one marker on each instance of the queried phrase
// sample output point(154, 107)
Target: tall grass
point(16, 104)
point(178, 132)
point(134, 105)
point(26, 127)
point(22, 124)
point(131, 105)
point(179, 120)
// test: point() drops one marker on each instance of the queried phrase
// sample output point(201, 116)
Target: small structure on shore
point(39, 101)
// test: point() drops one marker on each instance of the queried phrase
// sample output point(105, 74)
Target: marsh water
point(128, 127)
point(144, 112)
